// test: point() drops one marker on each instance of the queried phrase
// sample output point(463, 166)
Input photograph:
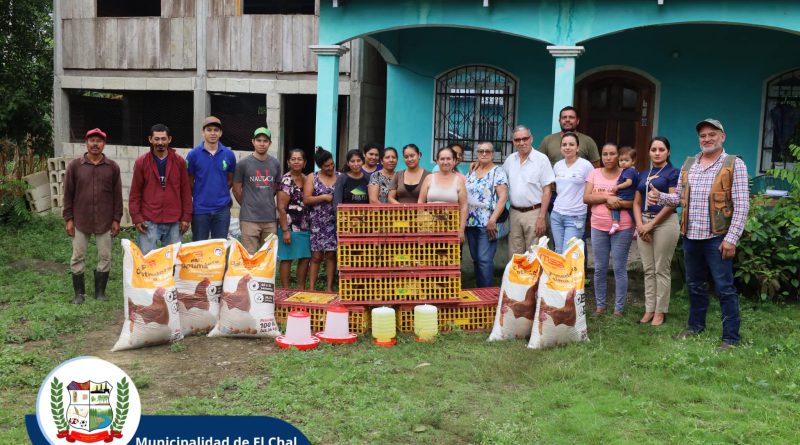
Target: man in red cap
point(92, 205)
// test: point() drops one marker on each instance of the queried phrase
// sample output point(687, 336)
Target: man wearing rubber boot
point(92, 205)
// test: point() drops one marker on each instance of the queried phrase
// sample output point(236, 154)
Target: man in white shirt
point(530, 179)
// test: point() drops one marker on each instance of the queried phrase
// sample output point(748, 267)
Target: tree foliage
point(26, 72)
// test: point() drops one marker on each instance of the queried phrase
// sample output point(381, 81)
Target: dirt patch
point(41, 266)
point(193, 369)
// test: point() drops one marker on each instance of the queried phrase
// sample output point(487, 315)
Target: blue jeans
point(215, 224)
point(617, 247)
point(616, 213)
point(482, 250)
point(702, 257)
point(166, 233)
point(565, 227)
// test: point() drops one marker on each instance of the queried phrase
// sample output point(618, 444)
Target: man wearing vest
point(714, 196)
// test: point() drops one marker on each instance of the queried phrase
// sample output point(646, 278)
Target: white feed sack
point(517, 304)
point(247, 308)
point(199, 271)
point(151, 310)
point(560, 304)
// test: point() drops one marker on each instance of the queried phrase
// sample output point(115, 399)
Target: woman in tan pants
point(658, 231)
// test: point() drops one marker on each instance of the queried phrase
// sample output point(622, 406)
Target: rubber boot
point(79, 286)
point(100, 281)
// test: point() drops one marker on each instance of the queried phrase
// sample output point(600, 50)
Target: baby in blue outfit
point(626, 184)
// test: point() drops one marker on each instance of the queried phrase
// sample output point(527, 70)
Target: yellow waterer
point(426, 324)
point(384, 326)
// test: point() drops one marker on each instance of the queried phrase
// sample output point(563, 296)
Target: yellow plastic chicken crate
point(475, 312)
point(370, 288)
point(316, 304)
point(431, 253)
point(396, 219)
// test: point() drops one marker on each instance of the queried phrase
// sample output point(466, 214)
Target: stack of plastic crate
point(398, 254)
point(316, 304)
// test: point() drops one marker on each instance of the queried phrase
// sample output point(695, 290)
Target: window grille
point(781, 121)
point(475, 104)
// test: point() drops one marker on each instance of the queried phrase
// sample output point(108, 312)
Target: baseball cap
point(211, 120)
point(262, 130)
point(96, 132)
point(713, 122)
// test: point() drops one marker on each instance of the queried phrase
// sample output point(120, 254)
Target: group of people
point(561, 182)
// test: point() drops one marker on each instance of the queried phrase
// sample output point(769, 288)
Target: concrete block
point(56, 201)
point(215, 84)
point(40, 205)
point(110, 151)
point(127, 178)
point(61, 175)
point(237, 85)
point(62, 163)
point(36, 179)
point(56, 189)
point(307, 86)
point(92, 83)
point(135, 83)
point(53, 164)
point(41, 191)
point(262, 86)
point(180, 84)
point(71, 82)
point(114, 83)
point(157, 84)
point(273, 101)
point(53, 176)
point(288, 87)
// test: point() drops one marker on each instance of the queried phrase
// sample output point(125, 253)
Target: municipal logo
point(87, 400)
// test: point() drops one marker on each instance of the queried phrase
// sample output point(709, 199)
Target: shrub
point(768, 254)
point(13, 208)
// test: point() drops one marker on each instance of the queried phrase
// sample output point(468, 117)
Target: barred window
point(474, 104)
point(781, 121)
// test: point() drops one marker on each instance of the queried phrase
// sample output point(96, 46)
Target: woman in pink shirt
point(599, 195)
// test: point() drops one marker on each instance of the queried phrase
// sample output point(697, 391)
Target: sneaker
point(686, 333)
point(724, 346)
point(614, 228)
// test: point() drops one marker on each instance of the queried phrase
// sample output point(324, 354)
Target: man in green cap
point(255, 182)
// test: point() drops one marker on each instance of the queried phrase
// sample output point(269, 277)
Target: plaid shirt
point(700, 180)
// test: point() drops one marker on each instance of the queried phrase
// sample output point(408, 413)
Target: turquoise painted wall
point(553, 21)
point(723, 77)
point(424, 54)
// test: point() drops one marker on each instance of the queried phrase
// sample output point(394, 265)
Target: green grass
point(630, 384)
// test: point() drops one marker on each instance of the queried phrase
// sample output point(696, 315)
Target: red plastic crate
point(475, 312)
point(396, 219)
point(424, 253)
point(316, 304)
point(375, 288)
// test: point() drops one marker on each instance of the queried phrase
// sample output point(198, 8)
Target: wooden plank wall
point(78, 9)
point(177, 8)
point(130, 43)
point(264, 43)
